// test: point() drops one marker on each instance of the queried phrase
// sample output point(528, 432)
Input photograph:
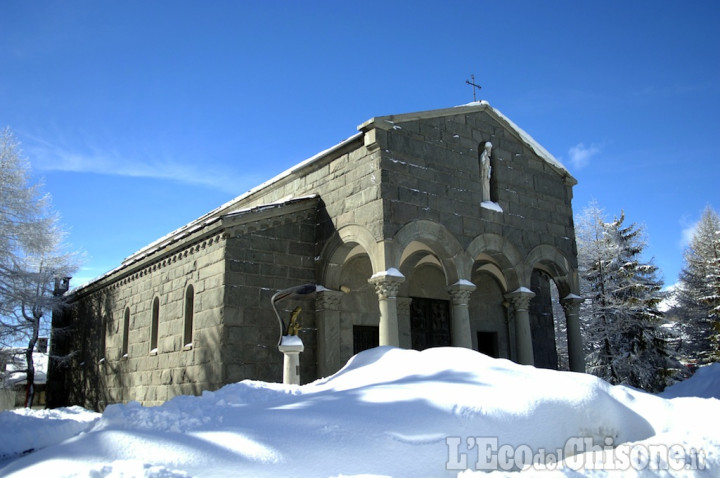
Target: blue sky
point(142, 116)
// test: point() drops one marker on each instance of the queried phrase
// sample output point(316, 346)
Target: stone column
point(403, 307)
point(387, 285)
point(520, 300)
point(327, 315)
point(571, 306)
point(460, 326)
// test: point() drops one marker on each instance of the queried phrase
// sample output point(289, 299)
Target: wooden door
point(429, 323)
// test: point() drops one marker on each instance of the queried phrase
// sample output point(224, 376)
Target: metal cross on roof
point(475, 87)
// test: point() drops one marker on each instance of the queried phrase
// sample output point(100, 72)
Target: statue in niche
point(485, 171)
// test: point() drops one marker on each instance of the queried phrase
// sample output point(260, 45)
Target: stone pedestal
point(291, 346)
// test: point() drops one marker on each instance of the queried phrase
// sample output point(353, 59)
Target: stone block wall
point(102, 374)
point(348, 183)
point(430, 170)
point(263, 258)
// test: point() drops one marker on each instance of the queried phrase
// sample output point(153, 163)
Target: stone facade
point(391, 222)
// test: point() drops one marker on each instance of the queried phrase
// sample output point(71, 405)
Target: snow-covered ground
point(389, 412)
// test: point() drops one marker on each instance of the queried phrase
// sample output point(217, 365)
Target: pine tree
point(698, 294)
point(624, 341)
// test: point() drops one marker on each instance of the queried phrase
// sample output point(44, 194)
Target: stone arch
point(347, 243)
point(419, 257)
point(495, 272)
point(433, 263)
point(422, 239)
point(348, 260)
point(549, 272)
point(500, 255)
point(553, 262)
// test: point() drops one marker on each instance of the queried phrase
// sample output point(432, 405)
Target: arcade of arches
point(427, 290)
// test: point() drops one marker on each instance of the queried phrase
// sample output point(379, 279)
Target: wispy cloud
point(687, 233)
point(580, 154)
point(47, 156)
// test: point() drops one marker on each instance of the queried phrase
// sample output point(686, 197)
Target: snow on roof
point(17, 365)
point(530, 141)
point(215, 215)
point(189, 229)
point(273, 205)
point(483, 105)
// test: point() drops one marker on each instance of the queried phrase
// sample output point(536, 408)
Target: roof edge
point(218, 211)
point(388, 122)
point(195, 235)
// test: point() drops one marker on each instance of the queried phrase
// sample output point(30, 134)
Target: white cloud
point(580, 154)
point(51, 157)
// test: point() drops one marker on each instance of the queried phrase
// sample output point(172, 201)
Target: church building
point(450, 227)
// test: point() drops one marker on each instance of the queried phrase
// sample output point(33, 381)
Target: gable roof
point(387, 122)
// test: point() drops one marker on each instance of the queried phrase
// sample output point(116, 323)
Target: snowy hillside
point(394, 412)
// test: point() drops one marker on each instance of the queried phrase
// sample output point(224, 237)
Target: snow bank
point(705, 383)
point(24, 430)
point(388, 412)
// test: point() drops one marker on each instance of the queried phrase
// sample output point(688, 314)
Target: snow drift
point(705, 383)
point(388, 412)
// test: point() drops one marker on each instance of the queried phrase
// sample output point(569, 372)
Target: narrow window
point(126, 333)
point(103, 332)
point(189, 311)
point(154, 325)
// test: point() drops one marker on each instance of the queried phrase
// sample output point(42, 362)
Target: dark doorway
point(365, 337)
point(488, 343)
point(542, 324)
point(429, 323)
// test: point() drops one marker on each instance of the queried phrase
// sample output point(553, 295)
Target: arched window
point(126, 333)
point(189, 312)
point(154, 325)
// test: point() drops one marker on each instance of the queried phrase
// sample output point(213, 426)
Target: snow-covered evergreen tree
point(624, 341)
point(698, 293)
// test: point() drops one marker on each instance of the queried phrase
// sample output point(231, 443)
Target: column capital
point(520, 298)
point(387, 283)
point(328, 299)
point(571, 300)
point(461, 291)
